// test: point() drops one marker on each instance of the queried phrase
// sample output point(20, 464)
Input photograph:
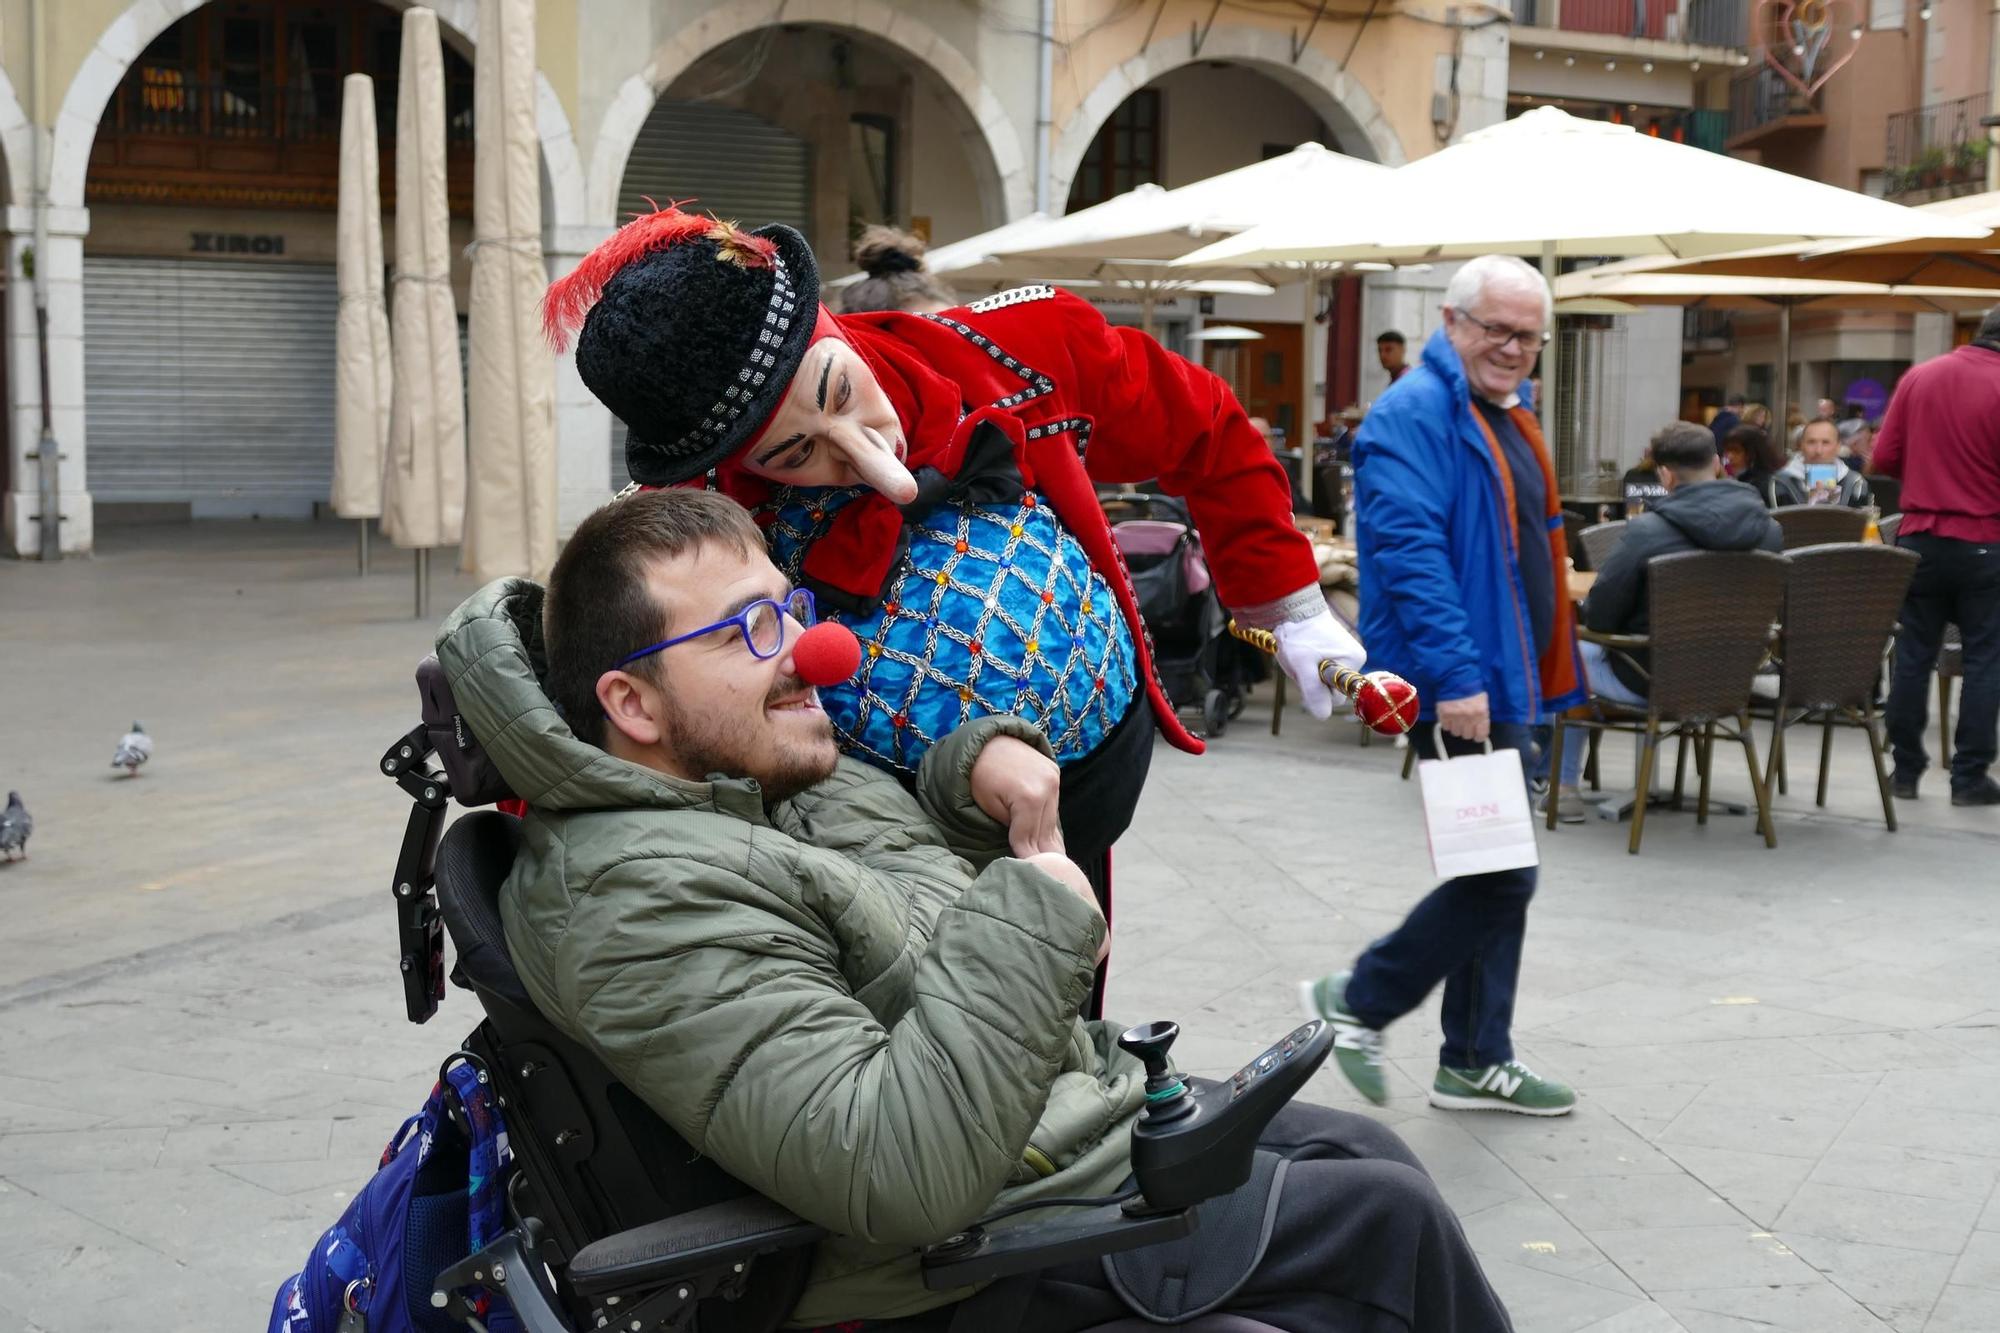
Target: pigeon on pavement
point(135, 749)
point(15, 826)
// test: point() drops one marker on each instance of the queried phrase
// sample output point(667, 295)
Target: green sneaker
point(1357, 1048)
point(1509, 1087)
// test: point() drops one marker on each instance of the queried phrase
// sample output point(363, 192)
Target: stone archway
point(127, 36)
point(17, 147)
point(1336, 96)
point(985, 116)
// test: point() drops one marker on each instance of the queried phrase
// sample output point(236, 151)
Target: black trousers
point(1956, 583)
point(1099, 794)
point(1362, 1243)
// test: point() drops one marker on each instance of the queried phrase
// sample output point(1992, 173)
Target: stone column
point(21, 519)
point(583, 425)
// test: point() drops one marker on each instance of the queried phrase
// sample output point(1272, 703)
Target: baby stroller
point(1191, 646)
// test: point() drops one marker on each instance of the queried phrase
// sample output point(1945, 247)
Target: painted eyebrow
point(779, 448)
point(826, 369)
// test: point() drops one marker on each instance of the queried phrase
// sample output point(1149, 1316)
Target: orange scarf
point(1558, 673)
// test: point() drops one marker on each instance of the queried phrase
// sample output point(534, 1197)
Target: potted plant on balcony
point(1969, 159)
point(1930, 165)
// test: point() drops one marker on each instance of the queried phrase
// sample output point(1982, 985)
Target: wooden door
point(1265, 374)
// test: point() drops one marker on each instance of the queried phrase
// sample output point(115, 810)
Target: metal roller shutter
point(209, 383)
point(718, 160)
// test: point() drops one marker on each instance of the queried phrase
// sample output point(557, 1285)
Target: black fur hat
point(691, 330)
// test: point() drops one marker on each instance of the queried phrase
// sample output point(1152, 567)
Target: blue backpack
point(438, 1196)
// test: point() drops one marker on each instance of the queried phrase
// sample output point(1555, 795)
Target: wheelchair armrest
point(979, 1254)
point(1621, 641)
point(718, 1236)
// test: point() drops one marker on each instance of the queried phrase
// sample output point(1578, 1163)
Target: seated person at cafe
point(1701, 511)
point(1641, 486)
point(1749, 457)
point(859, 999)
point(1857, 442)
point(1816, 476)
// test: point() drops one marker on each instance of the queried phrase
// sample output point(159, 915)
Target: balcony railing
point(1760, 98)
point(243, 143)
point(158, 103)
point(1703, 22)
point(1940, 147)
point(1716, 22)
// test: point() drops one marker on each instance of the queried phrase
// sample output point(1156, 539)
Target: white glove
point(1304, 644)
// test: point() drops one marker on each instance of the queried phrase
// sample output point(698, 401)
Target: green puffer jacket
point(854, 1001)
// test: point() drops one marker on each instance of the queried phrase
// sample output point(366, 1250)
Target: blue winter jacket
point(1442, 603)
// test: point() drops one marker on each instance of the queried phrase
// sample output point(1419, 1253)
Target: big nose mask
point(874, 460)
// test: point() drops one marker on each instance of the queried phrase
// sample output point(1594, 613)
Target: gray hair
point(1989, 328)
point(1476, 276)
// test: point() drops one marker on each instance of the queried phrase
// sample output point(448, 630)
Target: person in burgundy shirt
point(1941, 437)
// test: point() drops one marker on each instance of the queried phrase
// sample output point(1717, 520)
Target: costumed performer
point(931, 478)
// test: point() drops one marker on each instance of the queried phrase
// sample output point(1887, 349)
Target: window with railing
point(1701, 22)
point(241, 102)
point(1942, 147)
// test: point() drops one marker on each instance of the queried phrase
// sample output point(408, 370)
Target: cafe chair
point(1711, 618)
point(1841, 603)
point(1600, 540)
point(1815, 525)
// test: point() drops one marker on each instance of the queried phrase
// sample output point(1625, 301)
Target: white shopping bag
point(1476, 812)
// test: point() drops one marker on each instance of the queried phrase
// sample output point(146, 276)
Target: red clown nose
point(826, 654)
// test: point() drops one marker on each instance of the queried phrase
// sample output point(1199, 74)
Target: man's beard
point(706, 743)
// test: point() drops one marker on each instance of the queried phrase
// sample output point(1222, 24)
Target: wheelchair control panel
point(1192, 1143)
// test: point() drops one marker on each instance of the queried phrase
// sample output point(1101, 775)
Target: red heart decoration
point(1836, 16)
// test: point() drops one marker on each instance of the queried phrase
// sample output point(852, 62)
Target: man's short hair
point(1989, 328)
point(1475, 276)
point(1682, 447)
point(1391, 336)
point(599, 607)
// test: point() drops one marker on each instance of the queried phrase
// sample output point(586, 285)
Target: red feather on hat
point(570, 297)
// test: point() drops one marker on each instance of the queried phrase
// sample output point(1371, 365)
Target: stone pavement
point(1790, 1113)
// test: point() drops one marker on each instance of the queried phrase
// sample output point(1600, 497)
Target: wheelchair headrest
point(473, 859)
point(474, 780)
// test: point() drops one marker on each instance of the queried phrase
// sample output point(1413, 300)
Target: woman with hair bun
point(897, 278)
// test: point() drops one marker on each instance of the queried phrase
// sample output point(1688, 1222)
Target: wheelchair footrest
point(719, 1235)
point(981, 1255)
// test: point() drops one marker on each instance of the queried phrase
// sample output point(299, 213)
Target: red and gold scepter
point(1384, 701)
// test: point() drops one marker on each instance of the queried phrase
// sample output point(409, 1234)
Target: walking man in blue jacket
point(1463, 592)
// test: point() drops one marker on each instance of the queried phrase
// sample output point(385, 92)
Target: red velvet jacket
point(1085, 404)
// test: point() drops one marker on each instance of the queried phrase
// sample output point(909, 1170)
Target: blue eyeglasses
point(762, 625)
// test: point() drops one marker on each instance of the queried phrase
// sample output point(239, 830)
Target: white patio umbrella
point(362, 377)
point(1623, 284)
point(510, 509)
point(1549, 184)
point(1224, 333)
point(1954, 262)
point(1132, 237)
point(423, 484)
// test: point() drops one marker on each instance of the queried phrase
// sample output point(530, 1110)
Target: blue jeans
point(1604, 684)
point(1467, 933)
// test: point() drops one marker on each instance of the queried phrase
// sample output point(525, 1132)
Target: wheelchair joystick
point(1167, 1096)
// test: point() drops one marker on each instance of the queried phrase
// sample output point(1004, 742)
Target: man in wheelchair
point(854, 1000)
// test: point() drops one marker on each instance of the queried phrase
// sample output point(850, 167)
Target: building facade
point(169, 176)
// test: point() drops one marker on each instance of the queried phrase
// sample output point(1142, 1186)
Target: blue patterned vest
point(994, 610)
